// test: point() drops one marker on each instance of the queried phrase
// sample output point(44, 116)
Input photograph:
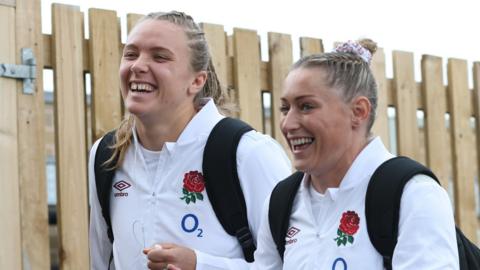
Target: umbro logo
point(121, 186)
point(292, 231)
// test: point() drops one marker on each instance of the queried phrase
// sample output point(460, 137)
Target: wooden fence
point(449, 146)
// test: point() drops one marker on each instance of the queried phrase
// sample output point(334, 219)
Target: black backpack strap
point(222, 183)
point(468, 252)
point(280, 208)
point(382, 202)
point(104, 177)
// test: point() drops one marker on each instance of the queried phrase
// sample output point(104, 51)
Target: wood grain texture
point(105, 61)
point(247, 76)
point(310, 46)
point(281, 58)
point(380, 126)
point(31, 143)
point(8, 3)
point(476, 106)
point(10, 253)
point(405, 93)
point(72, 205)
point(217, 42)
point(435, 105)
point(132, 19)
point(463, 171)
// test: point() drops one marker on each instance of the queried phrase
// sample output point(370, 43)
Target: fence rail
point(446, 141)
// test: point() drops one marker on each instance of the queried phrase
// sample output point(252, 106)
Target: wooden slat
point(405, 102)
point(105, 61)
point(281, 58)
point(265, 78)
point(230, 81)
point(8, 3)
point(230, 71)
point(391, 98)
point(216, 39)
point(265, 81)
point(310, 46)
point(31, 144)
point(435, 105)
point(476, 106)
point(390, 86)
point(230, 45)
point(10, 253)
point(72, 205)
point(132, 19)
point(247, 76)
point(48, 53)
point(217, 42)
point(458, 98)
point(380, 126)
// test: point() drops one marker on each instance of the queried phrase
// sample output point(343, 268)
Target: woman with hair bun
point(328, 109)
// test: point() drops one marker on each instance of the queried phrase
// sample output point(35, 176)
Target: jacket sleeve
point(261, 163)
point(266, 255)
point(100, 247)
point(426, 234)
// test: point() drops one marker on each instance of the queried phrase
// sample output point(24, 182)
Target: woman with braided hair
point(161, 216)
point(328, 108)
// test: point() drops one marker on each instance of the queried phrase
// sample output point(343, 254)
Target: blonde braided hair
point(200, 59)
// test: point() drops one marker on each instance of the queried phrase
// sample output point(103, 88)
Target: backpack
point(382, 210)
point(221, 180)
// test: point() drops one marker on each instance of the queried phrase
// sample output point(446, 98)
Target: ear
point(198, 82)
point(361, 107)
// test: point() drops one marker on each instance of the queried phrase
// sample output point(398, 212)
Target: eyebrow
point(158, 48)
point(130, 46)
point(299, 98)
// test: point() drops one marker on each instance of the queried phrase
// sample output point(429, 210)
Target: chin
point(135, 110)
point(301, 165)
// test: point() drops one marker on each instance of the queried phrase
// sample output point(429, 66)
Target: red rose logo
point(193, 185)
point(349, 225)
point(193, 182)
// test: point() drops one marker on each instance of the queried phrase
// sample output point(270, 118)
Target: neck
point(153, 132)
point(332, 179)
point(333, 175)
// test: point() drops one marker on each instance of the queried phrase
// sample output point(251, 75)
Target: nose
point(289, 121)
point(140, 65)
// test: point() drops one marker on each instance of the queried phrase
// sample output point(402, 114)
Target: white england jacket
point(146, 210)
point(426, 238)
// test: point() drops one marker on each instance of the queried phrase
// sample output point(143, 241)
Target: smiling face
point(317, 123)
point(155, 72)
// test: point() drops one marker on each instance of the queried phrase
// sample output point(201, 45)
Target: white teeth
point(141, 87)
point(301, 141)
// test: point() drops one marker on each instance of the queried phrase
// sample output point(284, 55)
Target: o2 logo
point(339, 264)
point(190, 225)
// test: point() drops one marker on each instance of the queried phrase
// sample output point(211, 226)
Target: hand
point(171, 257)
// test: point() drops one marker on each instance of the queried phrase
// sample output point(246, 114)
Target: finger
point(156, 266)
point(147, 250)
point(172, 267)
point(159, 255)
point(168, 245)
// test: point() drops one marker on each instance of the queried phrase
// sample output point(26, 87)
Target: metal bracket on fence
point(26, 71)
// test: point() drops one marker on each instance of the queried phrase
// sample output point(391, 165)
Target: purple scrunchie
point(355, 48)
